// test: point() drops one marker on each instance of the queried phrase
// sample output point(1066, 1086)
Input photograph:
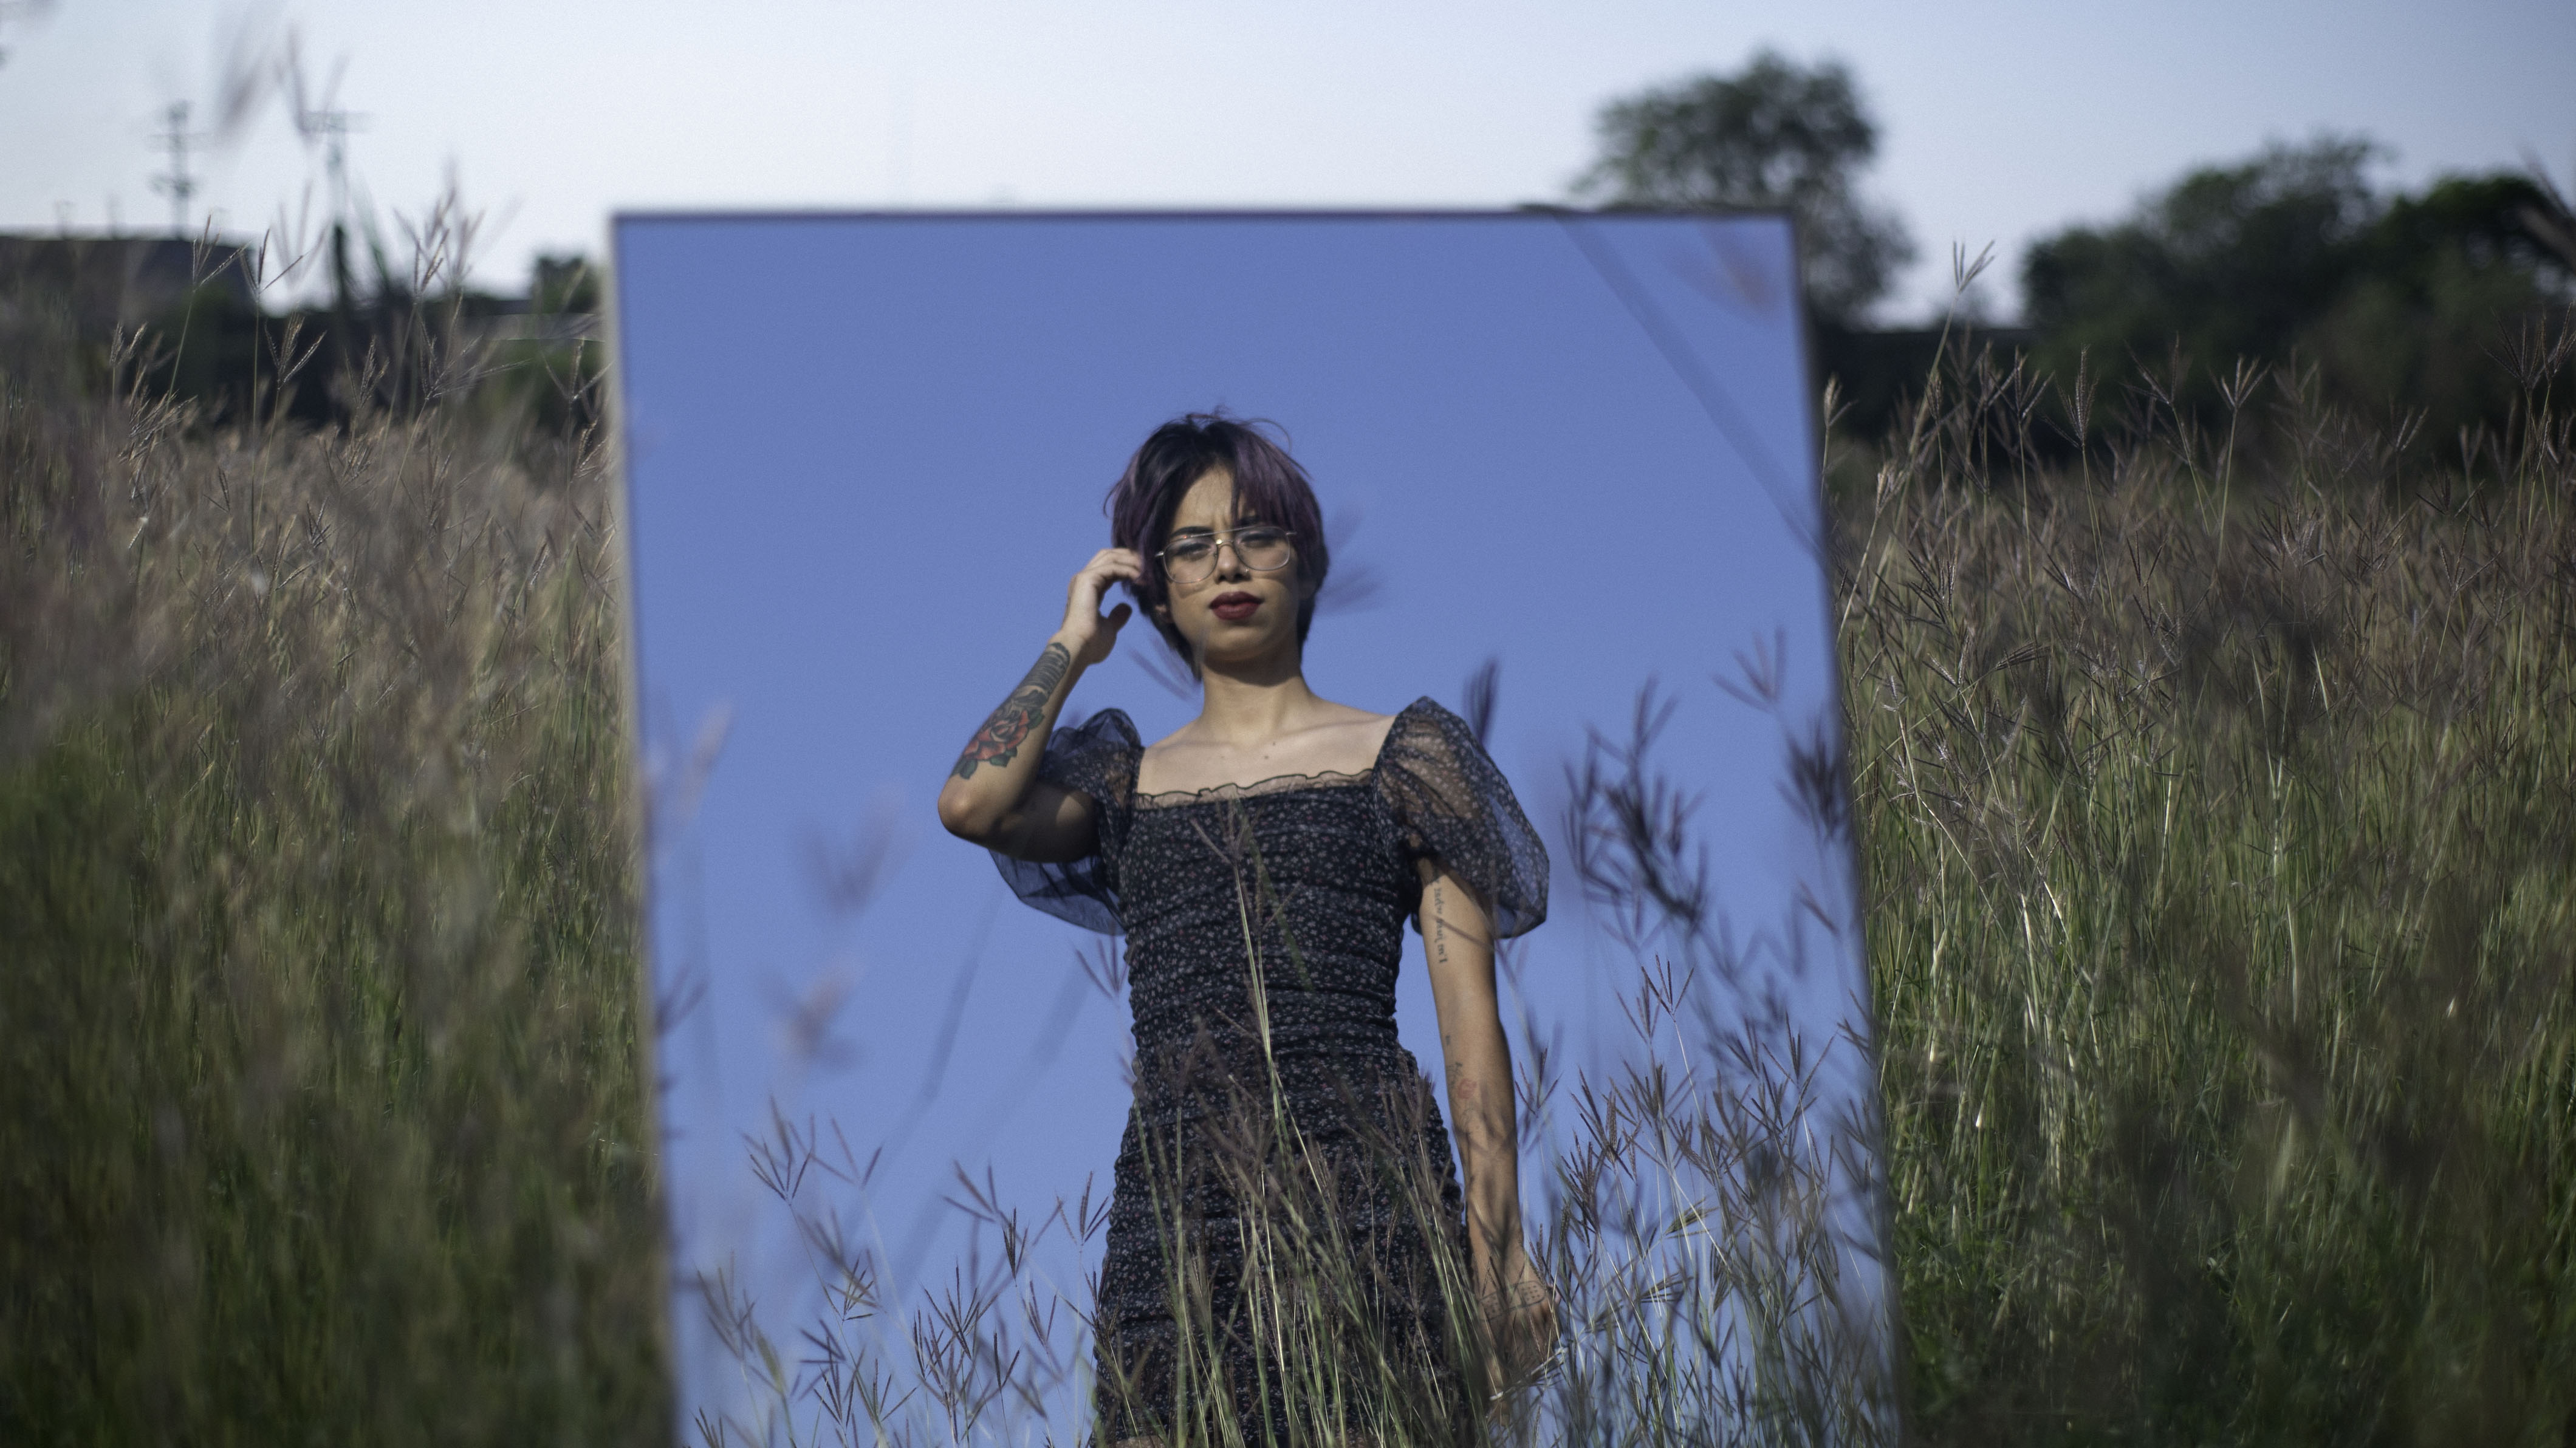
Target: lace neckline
point(1277, 783)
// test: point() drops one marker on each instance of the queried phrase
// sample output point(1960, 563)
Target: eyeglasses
point(1261, 547)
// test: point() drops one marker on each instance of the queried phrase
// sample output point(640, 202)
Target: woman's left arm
point(1459, 943)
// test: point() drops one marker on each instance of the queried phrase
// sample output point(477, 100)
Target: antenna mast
point(178, 183)
point(328, 124)
point(331, 126)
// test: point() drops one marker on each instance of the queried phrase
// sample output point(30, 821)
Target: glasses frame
point(1223, 541)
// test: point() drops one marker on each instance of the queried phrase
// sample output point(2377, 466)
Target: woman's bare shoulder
point(1181, 743)
point(1334, 739)
point(1346, 716)
point(1357, 733)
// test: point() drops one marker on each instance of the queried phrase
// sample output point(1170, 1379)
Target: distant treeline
point(2431, 313)
point(2418, 307)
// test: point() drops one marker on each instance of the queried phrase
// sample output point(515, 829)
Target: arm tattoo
point(999, 741)
point(1463, 1088)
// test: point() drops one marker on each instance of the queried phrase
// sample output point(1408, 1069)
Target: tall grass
point(321, 1116)
point(2212, 792)
point(2220, 819)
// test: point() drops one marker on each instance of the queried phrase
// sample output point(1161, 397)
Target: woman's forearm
point(1458, 941)
point(994, 771)
point(990, 782)
point(1480, 1102)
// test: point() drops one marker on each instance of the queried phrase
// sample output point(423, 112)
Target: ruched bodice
point(1264, 928)
point(1311, 875)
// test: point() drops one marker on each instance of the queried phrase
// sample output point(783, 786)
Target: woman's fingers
point(1106, 565)
point(1522, 1309)
point(1084, 596)
point(1532, 1340)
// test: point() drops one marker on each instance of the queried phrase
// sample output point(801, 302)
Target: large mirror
point(1567, 466)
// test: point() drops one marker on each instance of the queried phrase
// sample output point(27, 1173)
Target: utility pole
point(330, 125)
point(178, 183)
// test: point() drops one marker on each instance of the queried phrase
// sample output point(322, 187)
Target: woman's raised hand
point(1088, 633)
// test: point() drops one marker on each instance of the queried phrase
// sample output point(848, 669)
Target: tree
point(2231, 261)
point(1775, 134)
point(2399, 303)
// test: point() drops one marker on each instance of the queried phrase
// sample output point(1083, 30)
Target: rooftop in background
point(116, 282)
point(126, 281)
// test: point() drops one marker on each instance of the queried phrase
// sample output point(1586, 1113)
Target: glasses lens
point(1262, 549)
point(1193, 559)
point(1190, 560)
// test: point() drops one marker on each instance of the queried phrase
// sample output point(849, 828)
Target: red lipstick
point(1234, 607)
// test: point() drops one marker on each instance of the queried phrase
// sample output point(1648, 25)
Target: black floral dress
point(1285, 1174)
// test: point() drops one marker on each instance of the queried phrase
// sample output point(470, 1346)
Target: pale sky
point(2002, 119)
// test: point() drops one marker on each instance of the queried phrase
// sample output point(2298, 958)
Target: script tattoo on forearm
point(999, 741)
point(1464, 1091)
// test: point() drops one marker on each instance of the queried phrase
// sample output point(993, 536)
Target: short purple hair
point(1269, 487)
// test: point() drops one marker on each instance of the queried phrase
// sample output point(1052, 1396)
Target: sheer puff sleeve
point(1096, 759)
point(1454, 806)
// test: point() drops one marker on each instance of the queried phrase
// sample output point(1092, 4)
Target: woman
point(1284, 1190)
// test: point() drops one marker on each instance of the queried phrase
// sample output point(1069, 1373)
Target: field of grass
point(2220, 827)
point(2213, 790)
point(322, 1118)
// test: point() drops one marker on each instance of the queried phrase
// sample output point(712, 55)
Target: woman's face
point(1235, 615)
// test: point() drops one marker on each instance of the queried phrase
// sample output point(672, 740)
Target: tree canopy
point(2400, 303)
point(1774, 134)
